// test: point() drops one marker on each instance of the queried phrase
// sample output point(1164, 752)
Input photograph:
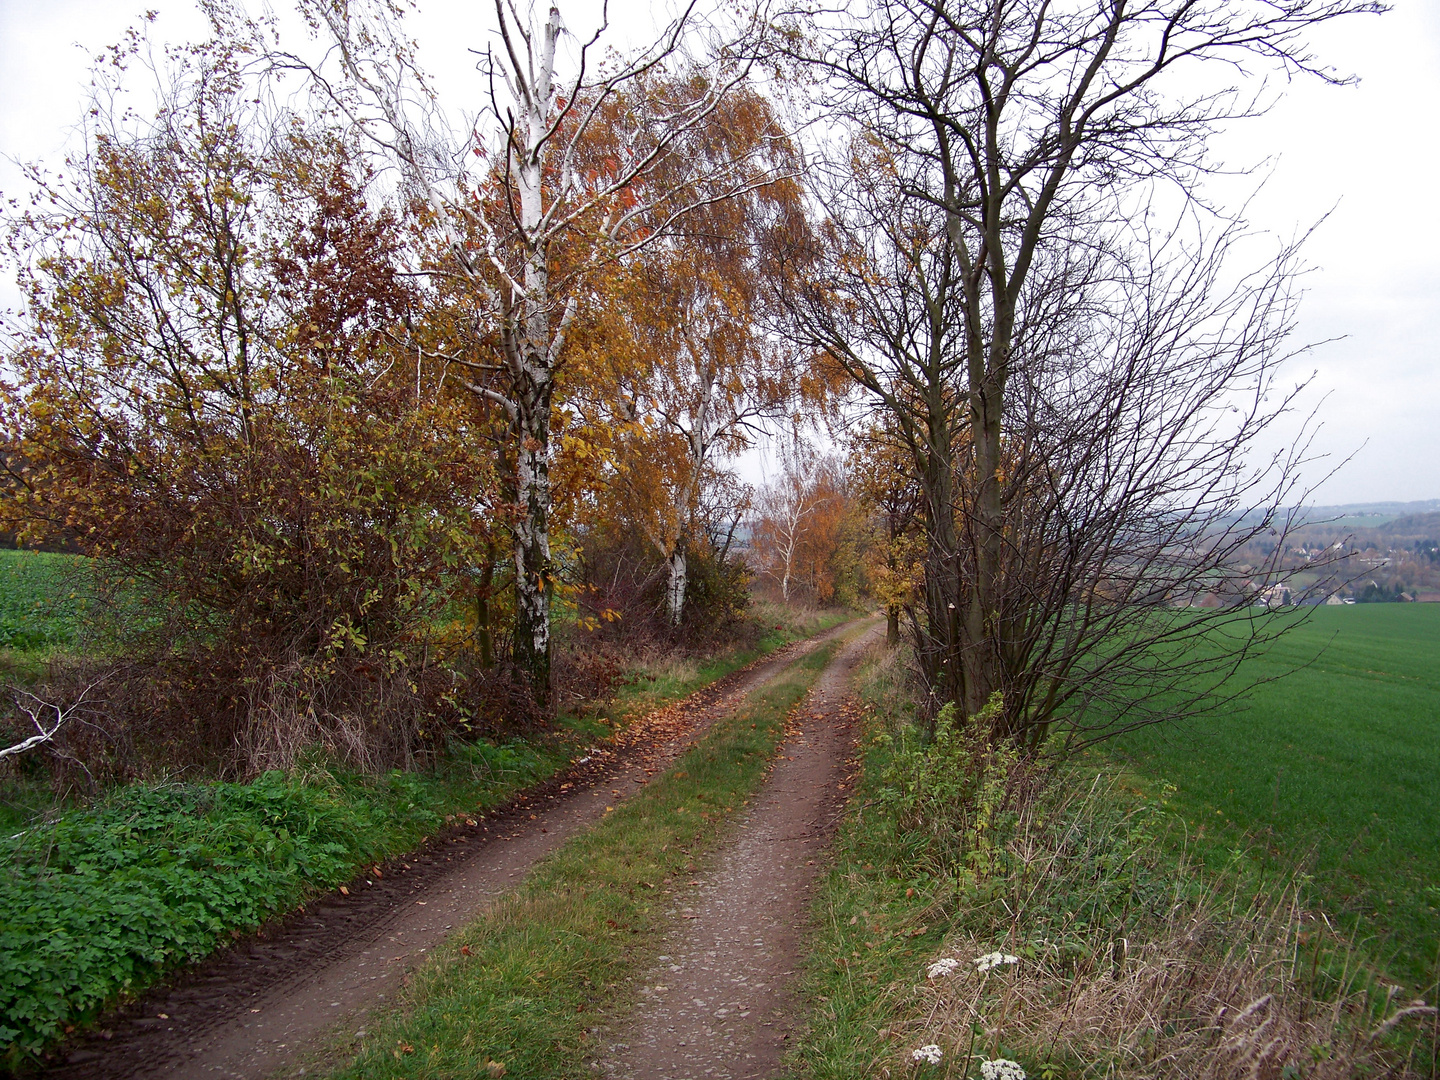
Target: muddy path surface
point(718, 1006)
point(252, 1011)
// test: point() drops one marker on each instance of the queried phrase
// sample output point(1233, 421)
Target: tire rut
point(719, 1007)
point(256, 1008)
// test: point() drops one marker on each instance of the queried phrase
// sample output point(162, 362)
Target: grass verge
point(522, 991)
point(102, 901)
point(1117, 956)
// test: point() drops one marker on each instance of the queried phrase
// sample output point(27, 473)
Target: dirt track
point(257, 1007)
point(718, 1007)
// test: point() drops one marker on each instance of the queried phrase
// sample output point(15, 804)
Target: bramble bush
point(219, 389)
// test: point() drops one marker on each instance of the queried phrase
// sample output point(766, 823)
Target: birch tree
point(796, 515)
point(528, 213)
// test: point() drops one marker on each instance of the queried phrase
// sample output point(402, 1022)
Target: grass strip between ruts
point(523, 990)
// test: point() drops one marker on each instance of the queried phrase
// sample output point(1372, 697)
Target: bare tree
point(533, 216)
point(1079, 379)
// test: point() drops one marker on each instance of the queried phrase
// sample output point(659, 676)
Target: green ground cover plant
point(1047, 916)
point(1335, 765)
point(102, 900)
point(524, 990)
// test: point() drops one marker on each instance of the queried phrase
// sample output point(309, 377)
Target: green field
point(1335, 766)
point(41, 598)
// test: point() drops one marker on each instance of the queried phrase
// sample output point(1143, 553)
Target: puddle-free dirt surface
point(254, 1010)
point(718, 1005)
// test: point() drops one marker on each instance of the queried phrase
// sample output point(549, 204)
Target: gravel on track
point(718, 1006)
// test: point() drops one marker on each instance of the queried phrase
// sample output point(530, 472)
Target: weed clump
point(100, 901)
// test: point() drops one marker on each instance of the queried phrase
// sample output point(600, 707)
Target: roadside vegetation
point(986, 909)
point(101, 901)
point(170, 870)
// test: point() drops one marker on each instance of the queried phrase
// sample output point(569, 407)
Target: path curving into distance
point(255, 1009)
point(718, 1006)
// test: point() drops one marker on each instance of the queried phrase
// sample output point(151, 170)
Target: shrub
point(221, 394)
point(953, 787)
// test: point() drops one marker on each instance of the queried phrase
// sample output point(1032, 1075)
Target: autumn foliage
point(214, 393)
point(335, 448)
point(808, 531)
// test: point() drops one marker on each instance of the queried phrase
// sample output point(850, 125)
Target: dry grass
point(1121, 974)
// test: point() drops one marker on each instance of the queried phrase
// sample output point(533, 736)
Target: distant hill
point(1417, 525)
point(1348, 517)
point(1370, 510)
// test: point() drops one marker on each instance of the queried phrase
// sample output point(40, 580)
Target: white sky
point(1372, 152)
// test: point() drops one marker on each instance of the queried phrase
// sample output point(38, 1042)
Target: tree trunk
point(940, 650)
point(984, 646)
point(484, 630)
point(892, 626)
point(675, 591)
point(982, 613)
point(533, 353)
point(533, 573)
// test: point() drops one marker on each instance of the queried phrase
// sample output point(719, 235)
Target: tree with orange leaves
point(531, 208)
point(800, 518)
point(675, 370)
point(213, 389)
point(890, 498)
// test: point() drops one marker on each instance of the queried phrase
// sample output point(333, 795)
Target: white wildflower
point(993, 960)
point(1001, 1069)
point(946, 965)
point(931, 1055)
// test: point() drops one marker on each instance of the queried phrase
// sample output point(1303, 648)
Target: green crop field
point(1335, 766)
point(42, 598)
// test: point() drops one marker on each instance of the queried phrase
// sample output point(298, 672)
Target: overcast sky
point(1369, 154)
